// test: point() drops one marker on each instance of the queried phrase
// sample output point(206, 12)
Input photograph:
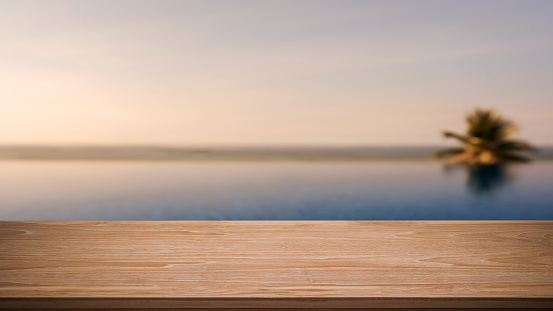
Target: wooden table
point(276, 264)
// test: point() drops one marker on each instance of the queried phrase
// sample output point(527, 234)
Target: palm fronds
point(485, 141)
point(488, 125)
point(448, 152)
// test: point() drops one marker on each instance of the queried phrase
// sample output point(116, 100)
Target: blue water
point(272, 191)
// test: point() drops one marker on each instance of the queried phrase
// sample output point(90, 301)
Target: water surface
point(372, 190)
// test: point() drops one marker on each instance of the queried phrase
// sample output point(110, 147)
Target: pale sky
point(274, 72)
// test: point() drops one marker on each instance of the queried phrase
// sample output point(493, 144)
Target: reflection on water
point(486, 179)
point(271, 191)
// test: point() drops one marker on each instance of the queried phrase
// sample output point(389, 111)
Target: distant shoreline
point(146, 153)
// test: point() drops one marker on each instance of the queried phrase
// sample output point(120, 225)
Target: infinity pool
point(372, 190)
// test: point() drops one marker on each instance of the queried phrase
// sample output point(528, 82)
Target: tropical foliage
point(486, 141)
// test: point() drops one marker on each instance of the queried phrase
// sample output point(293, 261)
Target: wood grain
point(276, 264)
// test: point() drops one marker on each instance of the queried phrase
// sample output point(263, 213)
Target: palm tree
point(485, 142)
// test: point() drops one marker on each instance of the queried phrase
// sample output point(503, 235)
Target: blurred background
point(321, 90)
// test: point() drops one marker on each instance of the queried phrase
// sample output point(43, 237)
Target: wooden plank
point(276, 264)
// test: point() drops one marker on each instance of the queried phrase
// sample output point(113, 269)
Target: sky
point(281, 72)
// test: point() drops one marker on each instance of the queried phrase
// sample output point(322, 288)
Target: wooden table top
point(273, 264)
